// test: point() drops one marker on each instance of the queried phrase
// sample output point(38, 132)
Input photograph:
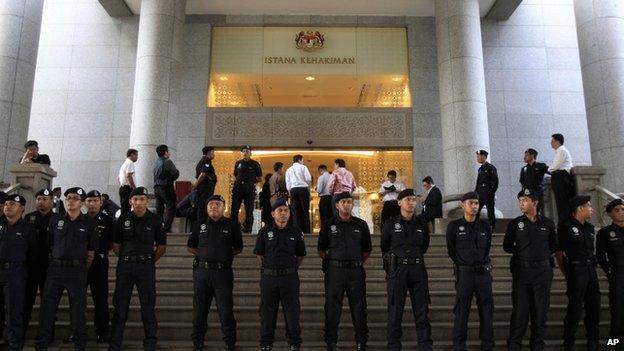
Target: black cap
point(76, 190)
point(3, 196)
point(471, 195)
point(343, 195)
point(16, 198)
point(94, 193)
point(613, 204)
point(579, 200)
point(139, 191)
point(528, 192)
point(44, 192)
point(216, 198)
point(483, 152)
point(277, 203)
point(405, 193)
point(246, 147)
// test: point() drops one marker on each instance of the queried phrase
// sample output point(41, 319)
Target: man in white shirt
point(322, 188)
point(126, 180)
point(561, 182)
point(389, 191)
point(298, 180)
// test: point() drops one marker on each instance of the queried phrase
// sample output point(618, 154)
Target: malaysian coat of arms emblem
point(309, 40)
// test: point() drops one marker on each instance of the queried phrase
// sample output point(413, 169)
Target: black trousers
point(97, 280)
point(35, 282)
point(300, 204)
point(467, 285)
point(325, 209)
point(390, 208)
point(531, 299)
point(273, 291)
point(583, 290)
point(124, 198)
point(203, 195)
point(165, 204)
point(562, 185)
point(486, 198)
point(143, 275)
point(244, 193)
point(12, 284)
point(74, 280)
point(412, 279)
point(353, 282)
point(209, 284)
point(616, 305)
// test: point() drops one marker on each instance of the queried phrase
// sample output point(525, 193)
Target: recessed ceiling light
point(223, 78)
point(386, 103)
point(309, 78)
point(396, 79)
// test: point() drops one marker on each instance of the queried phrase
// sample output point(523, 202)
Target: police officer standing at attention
point(165, 174)
point(16, 248)
point(532, 176)
point(214, 242)
point(404, 241)
point(468, 242)
point(73, 242)
point(139, 240)
point(247, 173)
point(344, 244)
point(610, 256)
point(206, 181)
point(532, 239)
point(280, 248)
point(577, 262)
point(487, 184)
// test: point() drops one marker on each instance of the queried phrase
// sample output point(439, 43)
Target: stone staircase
point(175, 303)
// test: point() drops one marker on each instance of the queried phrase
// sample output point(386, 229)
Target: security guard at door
point(73, 243)
point(532, 239)
point(344, 244)
point(404, 241)
point(17, 245)
point(578, 263)
point(610, 256)
point(214, 243)
point(247, 173)
point(135, 235)
point(280, 248)
point(468, 242)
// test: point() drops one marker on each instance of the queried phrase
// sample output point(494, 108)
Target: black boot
point(295, 347)
point(70, 339)
point(266, 348)
point(360, 346)
point(332, 347)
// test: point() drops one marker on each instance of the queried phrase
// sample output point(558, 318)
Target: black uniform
point(407, 241)
point(487, 184)
point(213, 277)
point(244, 190)
point(468, 245)
point(69, 240)
point(165, 174)
point(97, 277)
point(532, 245)
point(532, 177)
point(279, 281)
point(344, 243)
point(17, 247)
point(206, 188)
point(577, 241)
point(610, 256)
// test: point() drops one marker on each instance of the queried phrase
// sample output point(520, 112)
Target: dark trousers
point(325, 209)
point(531, 299)
point(616, 305)
point(562, 186)
point(300, 204)
point(244, 193)
point(273, 291)
point(35, 282)
point(202, 198)
point(412, 279)
point(74, 280)
point(352, 281)
point(97, 280)
point(467, 285)
point(583, 290)
point(143, 275)
point(165, 204)
point(12, 284)
point(124, 199)
point(390, 209)
point(486, 198)
point(209, 284)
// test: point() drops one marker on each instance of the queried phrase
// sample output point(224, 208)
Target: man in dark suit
point(432, 203)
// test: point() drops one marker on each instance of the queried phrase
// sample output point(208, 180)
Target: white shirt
point(126, 168)
point(392, 195)
point(562, 161)
point(322, 184)
point(298, 176)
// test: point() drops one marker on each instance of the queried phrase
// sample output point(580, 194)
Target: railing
point(604, 196)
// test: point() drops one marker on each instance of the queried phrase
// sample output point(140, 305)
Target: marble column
point(463, 109)
point(20, 24)
point(154, 107)
point(600, 29)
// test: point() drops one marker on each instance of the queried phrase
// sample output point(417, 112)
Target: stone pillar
point(29, 178)
point(154, 108)
point(20, 24)
point(586, 178)
point(600, 29)
point(463, 109)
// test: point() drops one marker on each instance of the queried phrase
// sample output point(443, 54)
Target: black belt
point(409, 261)
point(213, 265)
point(244, 182)
point(9, 265)
point(278, 271)
point(59, 262)
point(532, 264)
point(587, 262)
point(137, 258)
point(345, 264)
point(481, 268)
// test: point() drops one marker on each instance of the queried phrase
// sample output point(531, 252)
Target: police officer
point(610, 256)
point(73, 243)
point(38, 267)
point(532, 239)
point(206, 181)
point(344, 244)
point(214, 243)
point(578, 263)
point(280, 248)
point(139, 240)
point(404, 241)
point(247, 173)
point(17, 243)
point(487, 184)
point(532, 175)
